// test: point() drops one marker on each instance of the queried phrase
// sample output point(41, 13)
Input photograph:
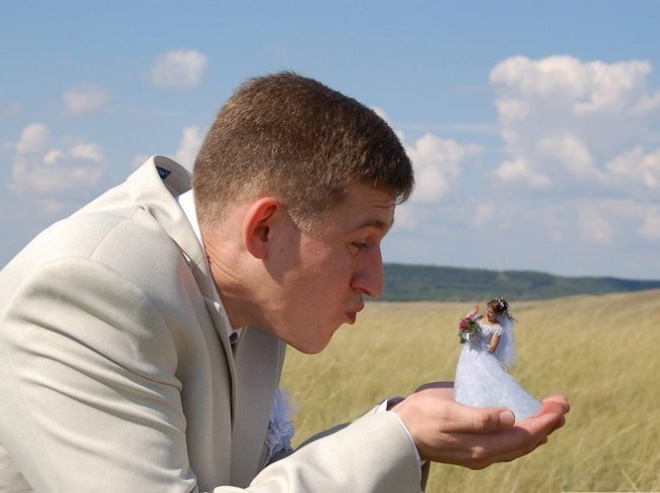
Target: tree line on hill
point(406, 282)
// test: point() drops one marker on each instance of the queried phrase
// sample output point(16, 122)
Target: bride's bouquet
point(466, 327)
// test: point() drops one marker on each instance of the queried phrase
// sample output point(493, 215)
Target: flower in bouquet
point(466, 327)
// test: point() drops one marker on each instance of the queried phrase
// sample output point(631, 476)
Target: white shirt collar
point(187, 202)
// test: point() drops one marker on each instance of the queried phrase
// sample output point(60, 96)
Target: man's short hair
point(293, 137)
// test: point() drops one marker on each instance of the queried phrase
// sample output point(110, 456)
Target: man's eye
point(359, 245)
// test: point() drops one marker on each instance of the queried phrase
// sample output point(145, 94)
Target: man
point(117, 366)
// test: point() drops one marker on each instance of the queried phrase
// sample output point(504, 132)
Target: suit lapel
point(258, 359)
point(215, 312)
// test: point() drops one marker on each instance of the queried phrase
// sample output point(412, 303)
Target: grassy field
point(602, 352)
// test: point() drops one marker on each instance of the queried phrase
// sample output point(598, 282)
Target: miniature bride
point(482, 379)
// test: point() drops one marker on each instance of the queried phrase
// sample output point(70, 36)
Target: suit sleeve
point(371, 454)
point(89, 367)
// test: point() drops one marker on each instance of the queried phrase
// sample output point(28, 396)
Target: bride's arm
point(473, 312)
point(494, 341)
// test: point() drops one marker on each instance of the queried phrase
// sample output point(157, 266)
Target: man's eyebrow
point(377, 223)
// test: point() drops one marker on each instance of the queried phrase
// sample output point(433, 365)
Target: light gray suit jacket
point(116, 373)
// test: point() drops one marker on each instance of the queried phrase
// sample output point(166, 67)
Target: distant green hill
point(432, 283)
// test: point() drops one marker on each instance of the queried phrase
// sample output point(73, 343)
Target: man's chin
point(312, 346)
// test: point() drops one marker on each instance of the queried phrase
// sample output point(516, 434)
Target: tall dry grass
point(602, 352)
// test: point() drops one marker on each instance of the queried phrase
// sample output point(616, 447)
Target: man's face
point(322, 278)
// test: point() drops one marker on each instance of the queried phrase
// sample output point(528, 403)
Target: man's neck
point(187, 203)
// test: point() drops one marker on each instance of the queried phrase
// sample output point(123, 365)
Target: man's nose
point(369, 277)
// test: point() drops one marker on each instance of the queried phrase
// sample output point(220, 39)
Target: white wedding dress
point(482, 379)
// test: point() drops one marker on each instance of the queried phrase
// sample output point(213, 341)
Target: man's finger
point(551, 403)
point(465, 419)
point(486, 420)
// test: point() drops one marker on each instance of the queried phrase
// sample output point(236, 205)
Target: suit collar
point(155, 186)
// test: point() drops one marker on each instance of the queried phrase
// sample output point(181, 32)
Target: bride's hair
point(499, 306)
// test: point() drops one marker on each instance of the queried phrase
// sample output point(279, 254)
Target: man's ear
point(258, 224)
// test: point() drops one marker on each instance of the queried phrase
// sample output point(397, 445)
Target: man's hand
point(449, 432)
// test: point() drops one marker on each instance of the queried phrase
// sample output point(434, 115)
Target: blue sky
point(534, 127)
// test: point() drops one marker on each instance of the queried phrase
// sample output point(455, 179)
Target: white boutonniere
point(280, 427)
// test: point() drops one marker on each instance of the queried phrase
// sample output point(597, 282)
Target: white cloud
point(521, 170)
point(584, 87)
point(33, 139)
point(574, 125)
point(569, 152)
point(191, 141)
point(179, 69)
point(647, 104)
point(91, 152)
point(47, 168)
point(438, 164)
point(603, 221)
point(52, 156)
point(84, 99)
point(638, 167)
